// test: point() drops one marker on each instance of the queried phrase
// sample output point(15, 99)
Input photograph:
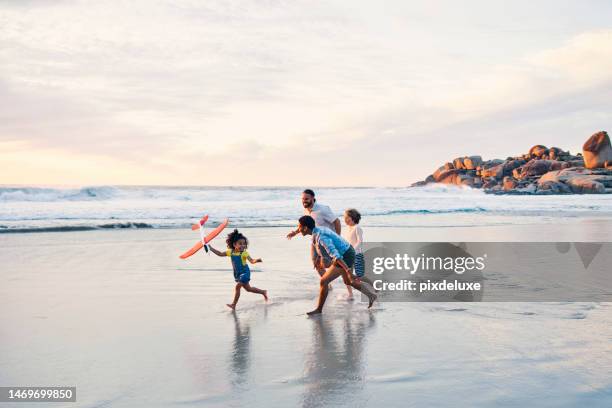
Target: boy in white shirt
point(354, 235)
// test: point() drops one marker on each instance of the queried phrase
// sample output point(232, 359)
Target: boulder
point(472, 162)
point(510, 165)
point(597, 150)
point(456, 177)
point(555, 153)
point(458, 163)
point(538, 151)
point(586, 185)
point(491, 163)
point(509, 183)
point(502, 169)
point(495, 172)
point(445, 174)
point(580, 180)
point(436, 174)
point(538, 167)
point(554, 187)
point(489, 183)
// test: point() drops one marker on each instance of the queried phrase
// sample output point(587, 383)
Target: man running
point(342, 257)
point(324, 217)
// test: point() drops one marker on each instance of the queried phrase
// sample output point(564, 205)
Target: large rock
point(509, 183)
point(503, 169)
point(458, 163)
point(472, 162)
point(538, 167)
point(456, 177)
point(597, 150)
point(554, 187)
point(579, 180)
point(586, 185)
point(555, 153)
point(538, 151)
point(489, 183)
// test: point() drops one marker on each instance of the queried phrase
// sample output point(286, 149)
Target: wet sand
point(117, 314)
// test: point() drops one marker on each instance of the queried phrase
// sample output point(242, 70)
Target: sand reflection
point(334, 367)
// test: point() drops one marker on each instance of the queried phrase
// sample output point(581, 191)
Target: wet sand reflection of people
point(240, 353)
point(334, 369)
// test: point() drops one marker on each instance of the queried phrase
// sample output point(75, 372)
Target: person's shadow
point(334, 368)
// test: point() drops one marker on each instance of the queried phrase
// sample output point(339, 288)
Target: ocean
point(107, 306)
point(39, 209)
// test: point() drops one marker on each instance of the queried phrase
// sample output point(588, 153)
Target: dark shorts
point(243, 278)
point(349, 257)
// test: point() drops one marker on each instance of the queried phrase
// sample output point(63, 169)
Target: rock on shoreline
point(542, 170)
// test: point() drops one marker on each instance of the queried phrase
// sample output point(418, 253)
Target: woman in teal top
point(236, 250)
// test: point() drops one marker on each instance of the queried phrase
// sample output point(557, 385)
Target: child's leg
point(253, 289)
point(350, 291)
point(355, 282)
point(367, 280)
point(236, 296)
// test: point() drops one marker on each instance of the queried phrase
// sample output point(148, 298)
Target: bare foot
point(314, 312)
point(372, 299)
point(265, 295)
point(231, 306)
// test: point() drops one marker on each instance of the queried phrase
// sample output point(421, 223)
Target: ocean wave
point(41, 194)
point(426, 211)
point(69, 228)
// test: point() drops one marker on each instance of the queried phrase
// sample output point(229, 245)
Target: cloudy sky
point(292, 92)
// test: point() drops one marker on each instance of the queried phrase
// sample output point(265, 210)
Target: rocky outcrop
point(597, 151)
point(541, 170)
point(580, 180)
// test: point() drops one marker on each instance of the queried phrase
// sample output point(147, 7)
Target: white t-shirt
point(354, 235)
point(323, 215)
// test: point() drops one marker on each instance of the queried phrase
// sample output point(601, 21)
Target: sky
point(330, 93)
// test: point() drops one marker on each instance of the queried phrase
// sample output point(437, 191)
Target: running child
point(236, 249)
point(354, 235)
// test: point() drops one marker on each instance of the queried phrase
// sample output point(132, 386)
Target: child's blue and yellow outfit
point(242, 273)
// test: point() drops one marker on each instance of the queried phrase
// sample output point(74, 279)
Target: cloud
point(328, 92)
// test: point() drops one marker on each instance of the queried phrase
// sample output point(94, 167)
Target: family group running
point(333, 254)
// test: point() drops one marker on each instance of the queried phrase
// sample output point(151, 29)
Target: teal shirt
point(334, 244)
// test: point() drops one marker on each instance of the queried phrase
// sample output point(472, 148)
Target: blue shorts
point(244, 278)
point(359, 265)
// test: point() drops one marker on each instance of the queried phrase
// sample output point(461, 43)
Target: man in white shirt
point(322, 214)
point(324, 217)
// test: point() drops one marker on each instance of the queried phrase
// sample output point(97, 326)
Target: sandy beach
point(461, 149)
point(121, 317)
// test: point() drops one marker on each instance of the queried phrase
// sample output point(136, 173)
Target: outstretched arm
point(292, 234)
point(254, 261)
point(218, 253)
